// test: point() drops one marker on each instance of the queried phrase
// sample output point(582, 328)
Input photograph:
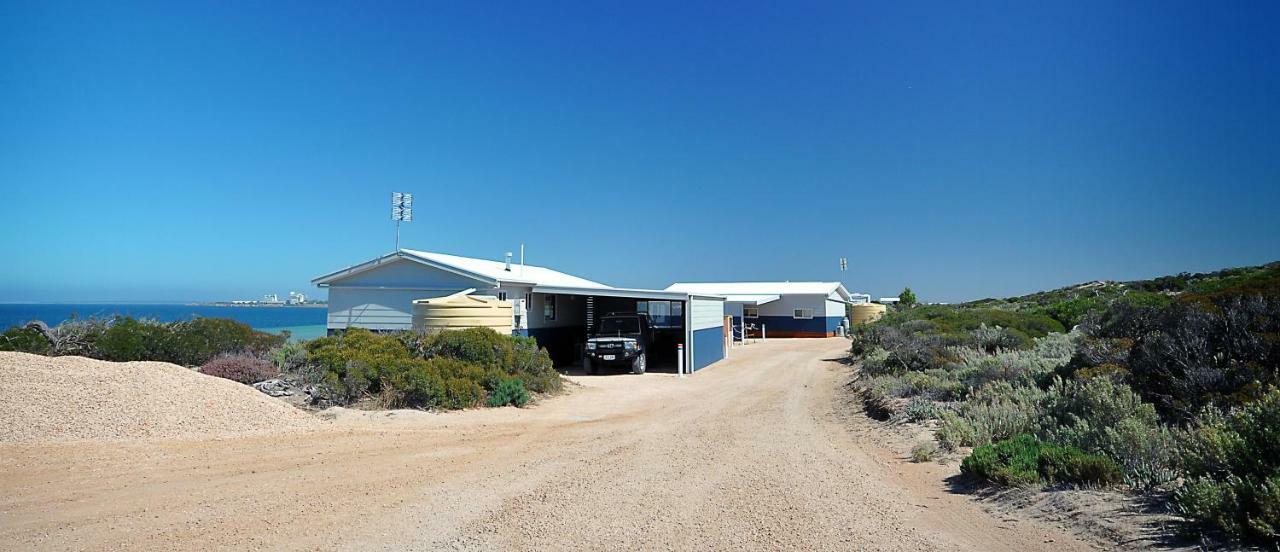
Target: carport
point(681, 321)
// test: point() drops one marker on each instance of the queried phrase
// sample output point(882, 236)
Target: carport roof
point(623, 292)
point(751, 299)
point(763, 288)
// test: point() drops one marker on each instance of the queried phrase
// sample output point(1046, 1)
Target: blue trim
point(708, 347)
point(784, 325)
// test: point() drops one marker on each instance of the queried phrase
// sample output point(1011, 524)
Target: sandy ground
point(756, 452)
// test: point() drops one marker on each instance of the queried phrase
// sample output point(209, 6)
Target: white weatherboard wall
point(382, 298)
point(706, 331)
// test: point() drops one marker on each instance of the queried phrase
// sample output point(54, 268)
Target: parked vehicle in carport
point(620, 339)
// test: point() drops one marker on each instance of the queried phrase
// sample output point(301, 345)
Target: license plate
point(608, 357)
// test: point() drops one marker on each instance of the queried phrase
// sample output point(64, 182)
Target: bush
point(1024, 460)
point(511, 392)
point(515, 356)
point(924, 452)
point(194, 342)
point(79, 337)
point(1104, 417)
point(995, 412)
point(1234, 461)
point(242, 368)
point(452, 369)
point(920, 409)
point(1244, 509)
point(25, 340)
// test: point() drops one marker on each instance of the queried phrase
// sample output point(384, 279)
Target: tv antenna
point(844, 264)
point(401, 211)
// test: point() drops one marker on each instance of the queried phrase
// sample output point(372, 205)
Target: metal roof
point(497, 270)
point(729, 289)
point(493, 272)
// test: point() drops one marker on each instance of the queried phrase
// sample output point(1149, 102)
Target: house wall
point(382, 298)
point(778, 317)
point(706, 327)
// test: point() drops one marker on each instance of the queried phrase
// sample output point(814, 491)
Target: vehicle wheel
point(637, 365)
point(589, 366)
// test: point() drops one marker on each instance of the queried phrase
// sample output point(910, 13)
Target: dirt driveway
point(752, 453)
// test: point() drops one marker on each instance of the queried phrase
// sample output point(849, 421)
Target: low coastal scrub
point(452, 369)
point(447, 370)
point(122, 339)
point(1026, 460)
point(1167, 387)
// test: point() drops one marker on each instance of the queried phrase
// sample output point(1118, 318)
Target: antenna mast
point(401, 211)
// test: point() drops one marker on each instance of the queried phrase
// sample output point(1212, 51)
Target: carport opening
point(578, 315)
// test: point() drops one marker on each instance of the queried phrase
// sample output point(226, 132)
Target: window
point(751, 312)
point(502, 296)
point(549, 307)
point(642, 306)
point(528, 300)
point(677, 308)
point(803, 314)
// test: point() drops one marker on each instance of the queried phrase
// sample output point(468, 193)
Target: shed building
point(556, 308)
point(780, 309)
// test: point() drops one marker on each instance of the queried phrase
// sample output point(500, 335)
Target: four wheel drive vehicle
point(620, 339)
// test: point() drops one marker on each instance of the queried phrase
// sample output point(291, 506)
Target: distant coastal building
point(296, 298)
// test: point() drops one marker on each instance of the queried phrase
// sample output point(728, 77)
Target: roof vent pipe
point(508, 268)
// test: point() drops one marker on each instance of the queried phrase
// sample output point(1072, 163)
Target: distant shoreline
point(271, 305)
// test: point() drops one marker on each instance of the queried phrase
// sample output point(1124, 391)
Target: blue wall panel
point(708, 346)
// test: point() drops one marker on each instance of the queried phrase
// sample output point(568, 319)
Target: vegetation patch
point(1167, 387)
point(1025, 460)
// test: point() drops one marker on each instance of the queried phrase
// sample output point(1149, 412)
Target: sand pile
point(44, 399)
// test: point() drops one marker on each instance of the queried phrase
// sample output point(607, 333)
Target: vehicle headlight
point(591, 346)
point(630, 345)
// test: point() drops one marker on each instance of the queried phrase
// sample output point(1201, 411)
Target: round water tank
point(866, 313)
point(458, 311)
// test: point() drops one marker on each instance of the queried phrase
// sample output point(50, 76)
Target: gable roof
point(483, 270)
point(752, 291)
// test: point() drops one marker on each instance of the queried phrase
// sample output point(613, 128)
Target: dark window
point(549, 307)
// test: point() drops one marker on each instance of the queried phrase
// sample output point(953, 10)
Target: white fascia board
point(613, 292)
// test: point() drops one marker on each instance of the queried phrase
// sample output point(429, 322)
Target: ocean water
point(302, 322)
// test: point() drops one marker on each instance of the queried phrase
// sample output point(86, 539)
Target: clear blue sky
point(178, 151)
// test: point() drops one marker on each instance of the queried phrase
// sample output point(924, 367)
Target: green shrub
point(1234, 461)
point(452, 369)
point(1025, 460)
point(1243, 509)
point(461, 393)
point(511, 392)
point(194, 342)
point(25, 340)
point(511, 355)
point(189, 342)
point(129, 339)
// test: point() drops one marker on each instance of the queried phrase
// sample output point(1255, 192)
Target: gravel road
point(756, 452)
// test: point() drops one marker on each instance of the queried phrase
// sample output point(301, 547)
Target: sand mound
point(58, 399)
